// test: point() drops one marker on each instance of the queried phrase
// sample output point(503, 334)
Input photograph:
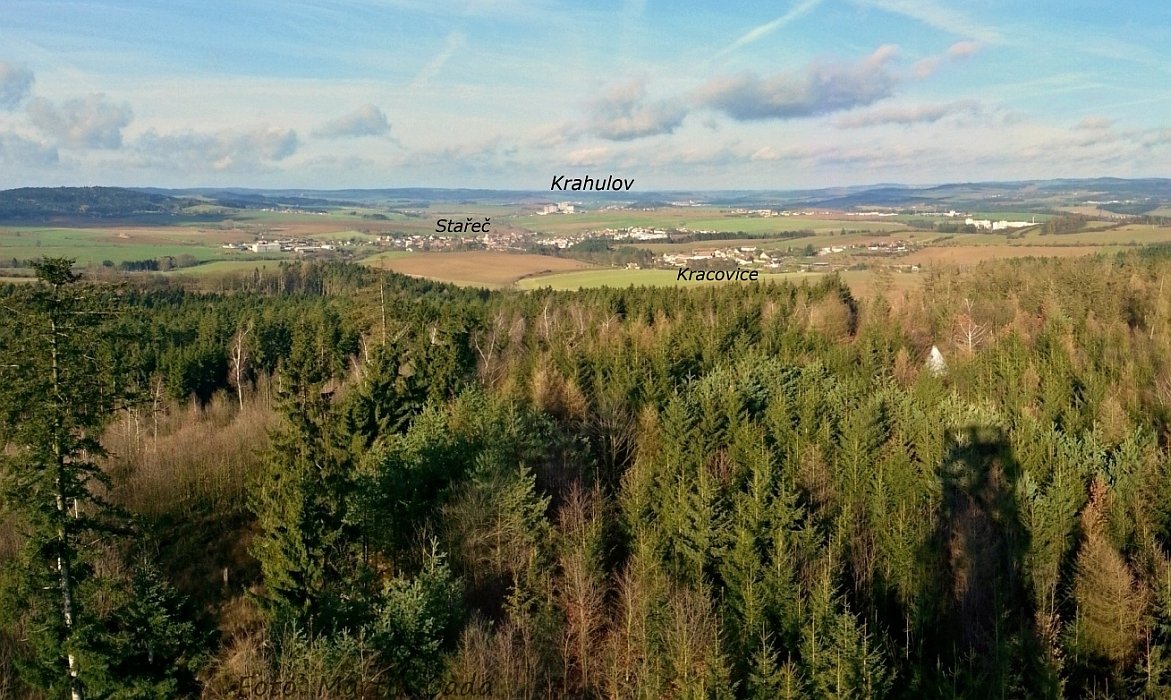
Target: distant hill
point(84, 202)
point(1118, 195)
point(405, 196)
point(237, 198)
point(1112, 194)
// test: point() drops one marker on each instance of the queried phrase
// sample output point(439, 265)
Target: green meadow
point(96, 245)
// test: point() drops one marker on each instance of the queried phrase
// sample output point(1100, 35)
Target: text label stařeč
point(466, 226)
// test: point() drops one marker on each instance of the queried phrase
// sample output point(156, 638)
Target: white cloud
point(906, 114)
point(492, 154)
point(588, 156)
point(1095, 123)
point(221, 151)
point(956, 52)
point(84, 122)
point(815, 90)
point(963, 49)
point(367, 120)
point(623, 113)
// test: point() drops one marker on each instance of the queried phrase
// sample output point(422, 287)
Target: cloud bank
point(906, 115)
point(221, 151)
point(624, 113)
point(815, 90)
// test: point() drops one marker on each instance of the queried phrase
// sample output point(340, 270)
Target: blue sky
point(506, 94)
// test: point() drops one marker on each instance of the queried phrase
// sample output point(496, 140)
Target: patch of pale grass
point(188, 459)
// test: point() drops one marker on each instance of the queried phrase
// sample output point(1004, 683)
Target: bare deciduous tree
point(238, 358)
point(487, 346)
point(969, 334)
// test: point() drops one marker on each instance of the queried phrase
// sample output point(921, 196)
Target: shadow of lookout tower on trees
point(980, 642)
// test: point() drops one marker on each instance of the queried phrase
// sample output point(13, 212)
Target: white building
point(1001, 225)
point(996, 225)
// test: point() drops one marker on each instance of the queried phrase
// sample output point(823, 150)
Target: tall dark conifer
point(300, 500)
point(55, 398)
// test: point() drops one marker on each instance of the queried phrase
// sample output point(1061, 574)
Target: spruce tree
point(55, 399)
point(416, 621)
point(301, 503)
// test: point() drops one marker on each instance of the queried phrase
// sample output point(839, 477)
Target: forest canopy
point(343, 483)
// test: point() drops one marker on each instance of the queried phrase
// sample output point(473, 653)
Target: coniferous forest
point(334, 483)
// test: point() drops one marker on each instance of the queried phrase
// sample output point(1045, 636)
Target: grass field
point(604, 277)
point(971, 239)
point(89, 245)
point(348, 235)
point(1088, 210)
point(462, 209)
point(377, 259)
point(476, 268)
point(1130, 234)
point(574, 223)
point(1010, 216)
point(694, 219)
point(764, 244)
point(866, 283)
point(203, 240)
point(821, 240)
point(791, 223)
point(970, 255)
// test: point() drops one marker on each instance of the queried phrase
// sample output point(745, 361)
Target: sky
point(507, 94)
